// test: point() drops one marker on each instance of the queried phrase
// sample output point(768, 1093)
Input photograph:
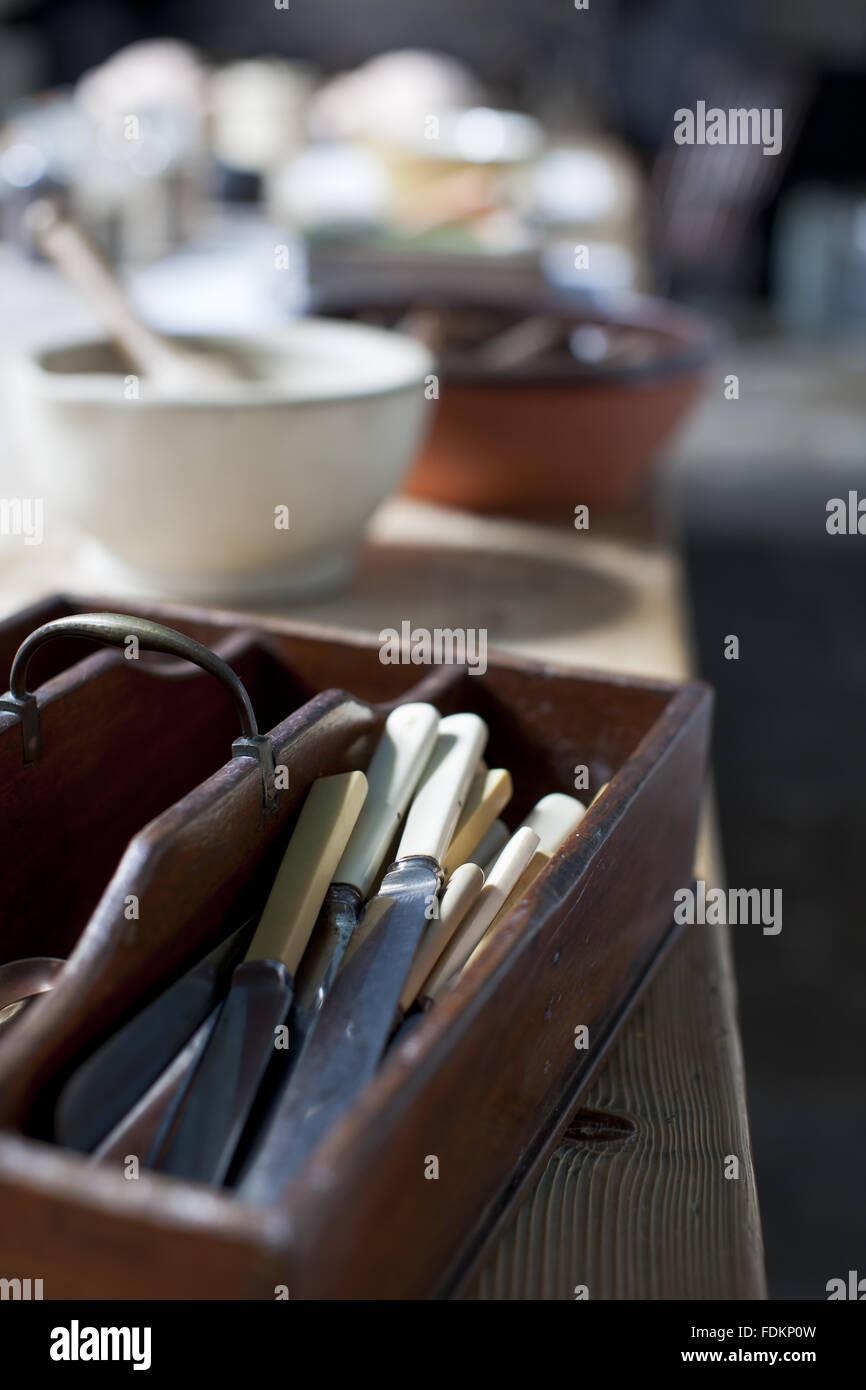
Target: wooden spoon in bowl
point(161, 360)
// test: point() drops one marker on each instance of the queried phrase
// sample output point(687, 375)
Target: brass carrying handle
point(116, 630)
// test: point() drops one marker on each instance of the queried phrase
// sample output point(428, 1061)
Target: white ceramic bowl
point(180, 495)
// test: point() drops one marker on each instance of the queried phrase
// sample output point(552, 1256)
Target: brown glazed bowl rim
point(686, 340)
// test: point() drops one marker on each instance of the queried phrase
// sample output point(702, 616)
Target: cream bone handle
point(441, 794)
point(489, 792)
point(401, 755)
point(553, 819)
point(499, 883)
point(483, 850)
point(458, 896)
point(326, 821)
point(452, 764)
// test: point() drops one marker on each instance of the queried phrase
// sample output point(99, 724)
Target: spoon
point(21, 981)
point(149, 354)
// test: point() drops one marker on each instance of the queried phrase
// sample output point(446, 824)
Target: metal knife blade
point(106, 1087)
point(230, 1073)
point(345, 1048)
point(322, 959)
point(395, 769)
point(224, 1086)
point(350, 1035)
point(144, 1130)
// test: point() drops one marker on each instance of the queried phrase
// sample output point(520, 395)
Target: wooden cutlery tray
point(135, 798)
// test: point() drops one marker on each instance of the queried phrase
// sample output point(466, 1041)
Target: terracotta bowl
point(539, 436)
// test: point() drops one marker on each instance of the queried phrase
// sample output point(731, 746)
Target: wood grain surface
point(634, 1202)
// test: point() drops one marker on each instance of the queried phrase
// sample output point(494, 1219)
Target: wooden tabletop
point(634, 1203)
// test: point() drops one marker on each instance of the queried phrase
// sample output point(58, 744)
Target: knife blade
point(458, 896)
point(346, 1046)
point(395, 769)
point(105, 1087)
point(462, 942)
point(225, 1083)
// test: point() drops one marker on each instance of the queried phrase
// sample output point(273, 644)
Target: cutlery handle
point(536, 865)
point(500, 881)
point(489, 792)
point(440, 797)
point(395, 769)
point(458, 896)
point(553, 819)
point(327, 819)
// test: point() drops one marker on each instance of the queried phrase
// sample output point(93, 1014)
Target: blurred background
point(457, 146)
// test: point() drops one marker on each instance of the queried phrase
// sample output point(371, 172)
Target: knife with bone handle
point(556, 817)
point(488, 793)
point(458, 896)
point(349, 1039)
point(224, 1084)
point(498, 884)
point(395, 769)
point(553, 818)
